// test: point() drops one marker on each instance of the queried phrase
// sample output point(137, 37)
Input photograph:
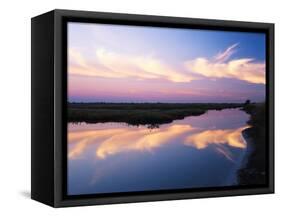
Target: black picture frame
point(49, 106)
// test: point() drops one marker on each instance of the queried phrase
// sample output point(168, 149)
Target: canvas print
point(154, 108)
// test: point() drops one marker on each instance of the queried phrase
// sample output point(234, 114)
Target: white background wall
point(15, 106)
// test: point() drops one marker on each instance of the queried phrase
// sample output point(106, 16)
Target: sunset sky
point(118, 63)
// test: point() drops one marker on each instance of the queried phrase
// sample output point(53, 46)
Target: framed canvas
point(134, 108)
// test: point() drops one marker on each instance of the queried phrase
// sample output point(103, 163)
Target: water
point(198, 151)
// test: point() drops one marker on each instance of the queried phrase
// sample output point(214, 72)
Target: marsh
point(198, 151)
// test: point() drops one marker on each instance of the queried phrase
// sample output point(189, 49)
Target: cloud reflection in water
point(121, 138)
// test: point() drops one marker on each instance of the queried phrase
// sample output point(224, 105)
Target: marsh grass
point(139, 113)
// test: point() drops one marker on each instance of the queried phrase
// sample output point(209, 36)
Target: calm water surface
point(198, 151)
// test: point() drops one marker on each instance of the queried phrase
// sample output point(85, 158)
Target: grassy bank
point(255, 169)
point(151, 114)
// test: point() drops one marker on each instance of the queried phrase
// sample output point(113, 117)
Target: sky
point(119, 63)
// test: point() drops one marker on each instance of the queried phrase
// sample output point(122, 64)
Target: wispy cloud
point(113, 65)
point(225, 55)
point(220, 66)
point(109, 64)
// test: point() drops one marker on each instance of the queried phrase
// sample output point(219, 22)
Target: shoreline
point(253, 171)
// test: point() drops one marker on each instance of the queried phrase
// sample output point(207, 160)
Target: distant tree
point(247, 102)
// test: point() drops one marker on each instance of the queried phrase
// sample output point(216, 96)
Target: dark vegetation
point(151, 114)
point(255, 170)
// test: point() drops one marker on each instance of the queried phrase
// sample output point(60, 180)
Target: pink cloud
point(245, 69)
point(107, 64)
point(225, 55)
